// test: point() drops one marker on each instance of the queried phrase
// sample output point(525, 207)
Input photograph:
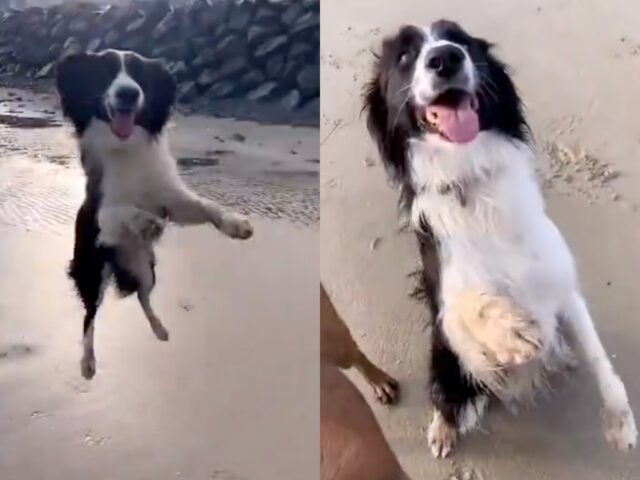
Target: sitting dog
point(499, 277)
point(353, 446)
point(119, 104)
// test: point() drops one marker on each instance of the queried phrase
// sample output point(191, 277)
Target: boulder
point(251, 79)
point(274, 66)
point(291, 100)
point(308, 80)
point(187, 92)
point(221, 89)
point(263, 92)
point(270, 45)
point(292, 13)
point(230, 46)
point(46, 71)
point(305, 22)
point(240, 16)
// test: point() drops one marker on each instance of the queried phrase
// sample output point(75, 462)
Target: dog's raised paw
point(507, 333)
point(237, 226)
point(620, 429)
point(88, 367)
point(442, 437)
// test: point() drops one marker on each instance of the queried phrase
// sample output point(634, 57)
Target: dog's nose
point(445, 61)
point(127, 96)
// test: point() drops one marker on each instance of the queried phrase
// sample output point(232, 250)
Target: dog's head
point(439, 82)
point(122, 90)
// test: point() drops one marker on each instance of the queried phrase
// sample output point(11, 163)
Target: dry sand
point(577, 64)
point(234, 391)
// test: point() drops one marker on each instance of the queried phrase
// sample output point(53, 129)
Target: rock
point(262, 92)
point(251, 79)
point(291, 100)
point(240, 16)
point(207, 77)
point(221, 89)
point(309, 80)
point(307, 21)
point(179, 70)
point(274, 66)
point(46, 71)
point(112, 38)
point(205, 58)
point(265, 14)
point(187, 92)
point(299, 49)
point(137, 24)
point(233, 66)
point(230, 46)
point(270, 45)
point(173, 51)
point(78, 25)
point(94, 45)
point(291, 14)
point(60, 30)
point(169, 23)
point(256, 32)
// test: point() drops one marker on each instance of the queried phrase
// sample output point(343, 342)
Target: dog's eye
point(404, 58)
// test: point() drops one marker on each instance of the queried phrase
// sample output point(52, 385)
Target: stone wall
point(227, 55)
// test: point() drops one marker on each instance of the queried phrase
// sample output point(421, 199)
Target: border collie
point(119, 104)
point(498, 276)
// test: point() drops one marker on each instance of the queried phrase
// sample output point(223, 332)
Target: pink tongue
point(122, 124)
point(459, 125)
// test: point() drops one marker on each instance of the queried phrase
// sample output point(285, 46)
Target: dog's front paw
point(387, 391)
point(620, 428)
point(442, 437)
point(236, 226)
point(507, 334)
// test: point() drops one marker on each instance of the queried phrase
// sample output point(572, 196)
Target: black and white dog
point(119, 104)
point(499, 277)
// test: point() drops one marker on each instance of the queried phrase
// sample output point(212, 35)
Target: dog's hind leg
point(620, 426)
point(458, 402)
point(143, 266)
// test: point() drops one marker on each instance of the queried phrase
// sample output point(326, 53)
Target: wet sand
point(575, 64)
point(232, 393)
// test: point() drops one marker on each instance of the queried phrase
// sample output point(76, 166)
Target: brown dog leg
point(338, 348)
point(352, 445)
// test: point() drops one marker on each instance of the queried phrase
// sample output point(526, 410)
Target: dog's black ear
point(72, 73)
point(390, 142)
point(161, 96)
point(376, 111)
point(77, 81)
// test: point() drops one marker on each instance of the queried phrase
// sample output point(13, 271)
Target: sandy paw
point(620, 429)
point(88, 367)
point(442, 437)
point(507, 334)
point(237, 226)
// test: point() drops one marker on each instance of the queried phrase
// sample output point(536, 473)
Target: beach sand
point(577, 65)
point(233, 392)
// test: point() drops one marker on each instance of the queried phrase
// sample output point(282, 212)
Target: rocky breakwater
point(244, 58)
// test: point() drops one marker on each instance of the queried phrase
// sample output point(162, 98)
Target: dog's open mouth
point(122, 122)
point(453, 115)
